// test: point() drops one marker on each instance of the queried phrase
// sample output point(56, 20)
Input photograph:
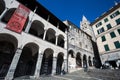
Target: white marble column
point(3, 13)
point(65, 44)
point(56, 39)
point(13, 65)
point(38, 65)
point(44, 34)
point(54, 65)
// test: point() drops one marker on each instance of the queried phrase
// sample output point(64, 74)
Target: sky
point(73, 10)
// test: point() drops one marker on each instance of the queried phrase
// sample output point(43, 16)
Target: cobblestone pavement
point(92, 74)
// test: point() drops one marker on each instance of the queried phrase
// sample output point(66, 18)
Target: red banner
point(18, 19)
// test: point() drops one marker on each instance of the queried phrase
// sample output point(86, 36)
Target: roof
point(106, 13)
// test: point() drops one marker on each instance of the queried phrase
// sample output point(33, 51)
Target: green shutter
point(118, 21)
point(106, 47)
point(106, 19)
point(117, 44)
point(112, 34)
point(109, 26)
point(103, 38)
point(118, 31)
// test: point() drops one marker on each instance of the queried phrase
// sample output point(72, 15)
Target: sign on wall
point(18, 19)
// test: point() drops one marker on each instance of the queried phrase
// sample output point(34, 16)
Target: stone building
point(80, 49)
point(107, 33)
point(39, 49)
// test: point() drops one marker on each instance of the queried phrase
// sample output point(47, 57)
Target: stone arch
point(27, 61)
point(61, 41)
point(2, 6)
point(50, 36)
point(71, 59)
point(8, 46)
point(60, 59)
point(78, 60)
point(84, 60)
point(37, 28)
point(71, 53)
point(89, 61)
point(47, 62)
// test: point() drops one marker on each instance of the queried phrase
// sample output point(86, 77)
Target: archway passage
point(60, 60)
point(27, 61)
point(47, 61)
point(8, 46)
point(2, 6)
point(89, 61)
point(71, 59)
point(50, 36)
point(84, 60)
point(37, 29)
point(78, 60)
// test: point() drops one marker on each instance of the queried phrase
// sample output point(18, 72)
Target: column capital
point(56, 34)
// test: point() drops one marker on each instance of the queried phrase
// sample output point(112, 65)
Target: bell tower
point(85, 26)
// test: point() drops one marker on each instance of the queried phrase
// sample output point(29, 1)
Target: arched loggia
point(85, 60)
point(2, 6)
point(50, 36)
point(27, 61)
point(8, 46)
point(61, 41)
point(47, 62)
point(37, 29)
point(78, 60)
point(60, 59)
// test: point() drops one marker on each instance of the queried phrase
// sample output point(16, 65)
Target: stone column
point(54, 65)
point(13, 65)
point(65, 44)
point(3, 13)
point(88, 62)
point(65, 67)
point(28, 26)
point(44, 34)
point(38, 65)
point(56, 39)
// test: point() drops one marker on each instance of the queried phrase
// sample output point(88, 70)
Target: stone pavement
point(92, 74)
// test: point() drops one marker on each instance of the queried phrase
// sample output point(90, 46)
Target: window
point(118, 31)
point(103, 38)
point(100, 30)
point(106, 20)
point(109, 26)
point(117, 44)
point(112, 34)
point(106, 47)
point(118, 21)
point(114, 14)
point(97, 25)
